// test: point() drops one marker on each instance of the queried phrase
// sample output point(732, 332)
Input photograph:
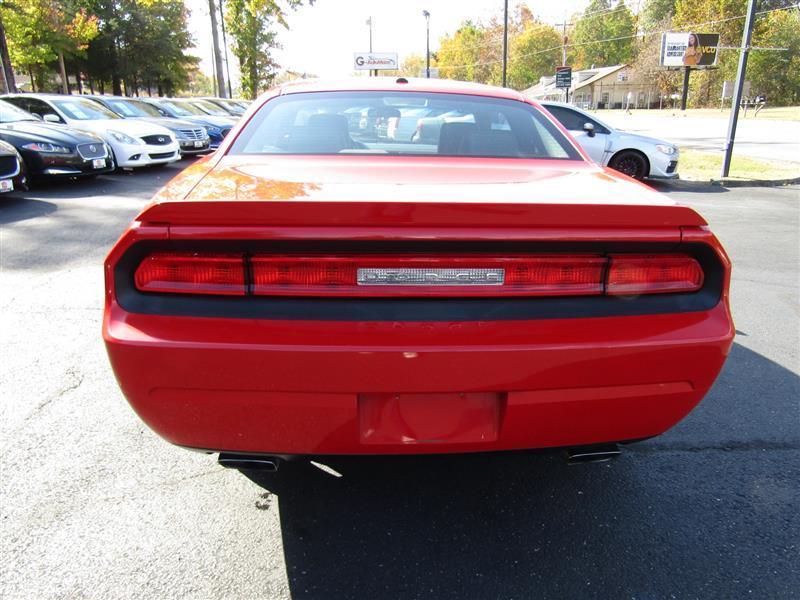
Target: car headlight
point(48, 148)
point(203, 132)
point(123, 138)
point(669, 150)
point(213, 130)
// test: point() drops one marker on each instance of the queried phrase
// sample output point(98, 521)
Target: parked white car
point(134, 143)
point(635, 155)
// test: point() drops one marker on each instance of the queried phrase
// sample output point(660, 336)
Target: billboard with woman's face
point(689, 49)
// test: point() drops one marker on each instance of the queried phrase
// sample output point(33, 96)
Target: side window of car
point(19, 103)
point(573, 120)
point(42, 108)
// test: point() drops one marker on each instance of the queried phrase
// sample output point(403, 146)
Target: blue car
point(218, 127)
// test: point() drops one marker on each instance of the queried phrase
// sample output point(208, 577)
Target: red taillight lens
point(191, 273)
point(417, 276)
point(421, 276)
point(653, 274)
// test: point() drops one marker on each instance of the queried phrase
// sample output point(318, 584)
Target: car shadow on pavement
point(686, 511)
point(16, 208)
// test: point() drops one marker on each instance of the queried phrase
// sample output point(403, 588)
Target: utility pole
point(212, 10)
point(225, 45)
point(737, 90)
point(505, 41)
point(564, 40)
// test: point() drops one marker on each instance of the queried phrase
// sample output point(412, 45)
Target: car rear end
point(413, 305)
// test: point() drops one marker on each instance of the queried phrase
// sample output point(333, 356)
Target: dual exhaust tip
point(270, 464)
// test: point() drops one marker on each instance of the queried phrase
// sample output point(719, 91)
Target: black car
point(11, 176)
point(192, 138)
point(52, 150)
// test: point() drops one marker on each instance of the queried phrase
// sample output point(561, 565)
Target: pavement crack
point(74, 379)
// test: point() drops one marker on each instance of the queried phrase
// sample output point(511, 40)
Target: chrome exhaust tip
point(592, 454)
point(269, 464)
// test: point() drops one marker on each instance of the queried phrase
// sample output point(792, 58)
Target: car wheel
point(631, 163)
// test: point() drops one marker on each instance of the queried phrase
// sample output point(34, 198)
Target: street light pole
point(505, 41)
point(427, 16)
point(369, 22)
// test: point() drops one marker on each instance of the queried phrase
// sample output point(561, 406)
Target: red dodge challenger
point(329, 283)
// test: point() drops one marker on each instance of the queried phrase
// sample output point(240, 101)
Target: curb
point(731, 183)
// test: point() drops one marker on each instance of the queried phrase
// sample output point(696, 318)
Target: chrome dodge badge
point(421, 276)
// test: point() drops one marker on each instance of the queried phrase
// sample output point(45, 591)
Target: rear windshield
point(133, 108)
point(406, 123)
point(82, 109)
point(182, 109)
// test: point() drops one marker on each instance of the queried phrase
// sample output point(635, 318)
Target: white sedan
point(635, 155)
point(134, 143)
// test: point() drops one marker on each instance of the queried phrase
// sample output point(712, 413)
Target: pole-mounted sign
point(564, 77)
point(366, 61)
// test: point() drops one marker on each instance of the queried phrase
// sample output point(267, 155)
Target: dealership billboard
point(689, 49)
point(369, 61)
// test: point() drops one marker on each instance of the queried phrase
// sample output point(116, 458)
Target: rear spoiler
point(292, 213)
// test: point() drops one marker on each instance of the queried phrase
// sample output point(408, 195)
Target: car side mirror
point(589, 129)
point(52, 118)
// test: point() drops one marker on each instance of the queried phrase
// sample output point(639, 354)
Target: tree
point(464, 54)
point(9, 84)
point(250, 26)
point(776, 74)
point(655, 13)
point(41, 32)
point(534, 52)
point(602, 22)
point(413, 66)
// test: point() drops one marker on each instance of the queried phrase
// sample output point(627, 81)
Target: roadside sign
point(727, 90)
point(680, 49)
point(368, 61)
point(564, 77)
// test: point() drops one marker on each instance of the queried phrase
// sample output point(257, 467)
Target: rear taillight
point(653, 274)
point(417, 276)
point(191, 273)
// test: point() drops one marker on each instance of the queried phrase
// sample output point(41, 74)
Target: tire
point(630, 162)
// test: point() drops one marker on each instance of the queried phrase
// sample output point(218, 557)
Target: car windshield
point(231, 105)
point(182, 109)
point(132, 108)
point(11, 114)
point(209, 108)
point(406, 123)
point(81, 109)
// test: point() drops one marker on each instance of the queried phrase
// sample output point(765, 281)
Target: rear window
point(405, 123)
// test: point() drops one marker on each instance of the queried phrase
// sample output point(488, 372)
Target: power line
point(622, 37)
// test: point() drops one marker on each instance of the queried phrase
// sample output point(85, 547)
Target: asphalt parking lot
point(95, 505)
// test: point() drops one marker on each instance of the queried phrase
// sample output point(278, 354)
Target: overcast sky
point(322, 38)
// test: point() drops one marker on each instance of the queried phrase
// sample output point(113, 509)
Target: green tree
point(601, 21)
point(655, 13)
point(534, 52)
point(464, 54)
point(250, 28)
point(41, 33)
point(776, 74)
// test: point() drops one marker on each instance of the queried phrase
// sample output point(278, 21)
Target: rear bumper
point(300, 387)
